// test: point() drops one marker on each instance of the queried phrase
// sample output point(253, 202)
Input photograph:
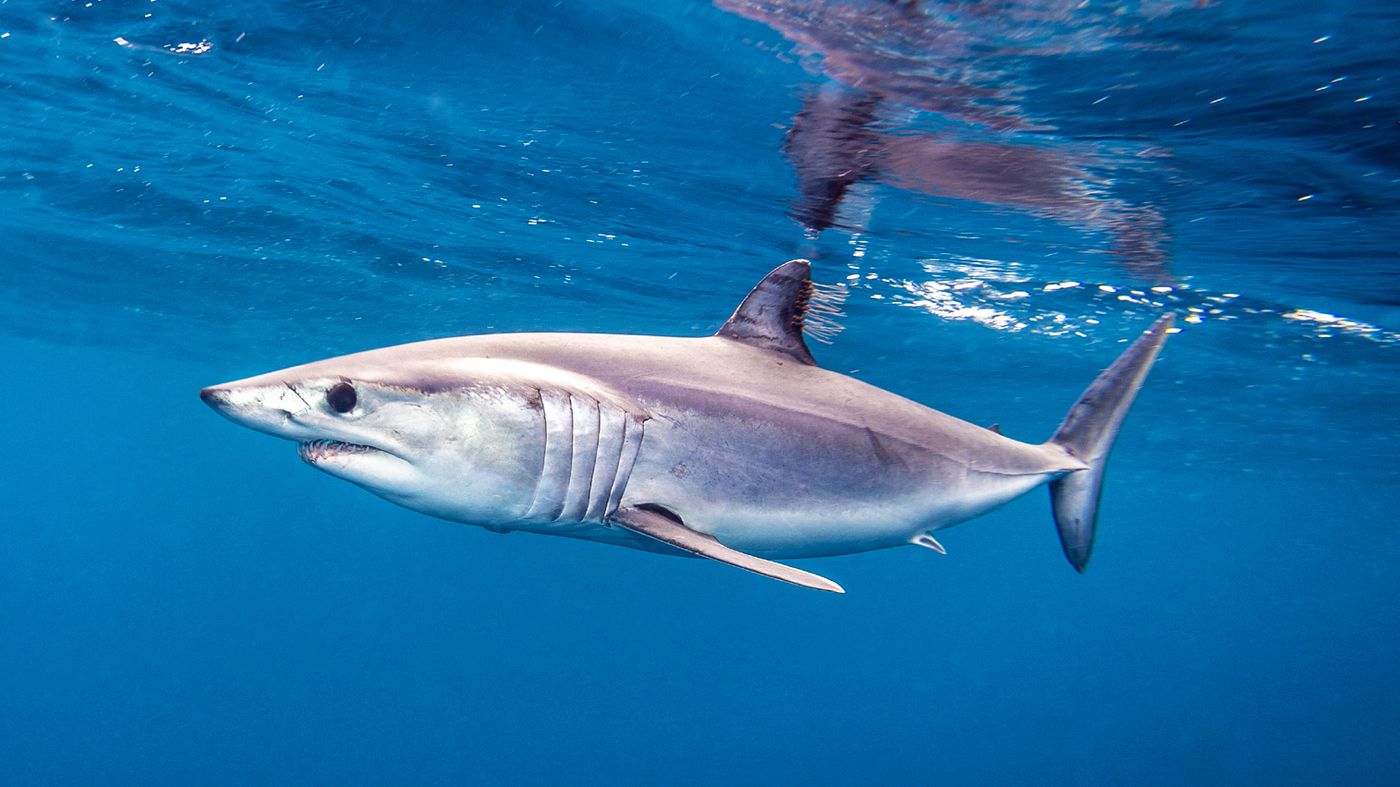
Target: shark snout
point(272, 409)
point(215, 396)
point(295, 412)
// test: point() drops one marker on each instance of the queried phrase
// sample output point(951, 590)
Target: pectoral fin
point(662, 525)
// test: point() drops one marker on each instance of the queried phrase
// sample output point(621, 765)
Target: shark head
point(444, 439)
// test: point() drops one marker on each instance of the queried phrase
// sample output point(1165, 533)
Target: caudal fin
point(1087, 433)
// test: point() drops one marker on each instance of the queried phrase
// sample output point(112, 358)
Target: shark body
point(735, 447)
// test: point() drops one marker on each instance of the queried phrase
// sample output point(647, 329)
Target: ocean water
point(192, 192)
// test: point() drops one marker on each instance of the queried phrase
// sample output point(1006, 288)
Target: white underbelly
point(832, 526)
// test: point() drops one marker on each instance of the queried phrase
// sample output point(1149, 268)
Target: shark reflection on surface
point(895, 68)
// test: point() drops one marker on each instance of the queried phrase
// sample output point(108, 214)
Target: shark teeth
point(316, 450)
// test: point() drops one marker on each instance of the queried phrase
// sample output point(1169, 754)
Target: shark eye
point(341, 397)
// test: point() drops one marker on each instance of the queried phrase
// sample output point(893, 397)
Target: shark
point(736, 447)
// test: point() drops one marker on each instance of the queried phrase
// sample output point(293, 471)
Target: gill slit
point(548, 502)
point(587, 461)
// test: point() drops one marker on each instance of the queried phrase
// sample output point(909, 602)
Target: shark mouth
point(316, 450)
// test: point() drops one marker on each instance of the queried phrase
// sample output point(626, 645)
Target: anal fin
point(662, 525)
point(928, 542)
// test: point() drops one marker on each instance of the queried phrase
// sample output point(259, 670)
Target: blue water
point(192, 192)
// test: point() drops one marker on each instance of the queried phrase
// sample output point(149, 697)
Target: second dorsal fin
point(772, 316)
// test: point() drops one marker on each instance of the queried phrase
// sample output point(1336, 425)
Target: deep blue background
point(182, 601)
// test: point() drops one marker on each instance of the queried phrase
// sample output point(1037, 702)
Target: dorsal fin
point(771, 317)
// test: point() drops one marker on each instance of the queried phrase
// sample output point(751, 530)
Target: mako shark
point(735, 447)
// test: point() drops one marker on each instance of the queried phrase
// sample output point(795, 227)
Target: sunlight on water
point(1330, 324)
point(1006, 296)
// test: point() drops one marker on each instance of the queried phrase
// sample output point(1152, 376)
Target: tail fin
point(1088, 432)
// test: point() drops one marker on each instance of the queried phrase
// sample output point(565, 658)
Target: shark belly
point(784, 484)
